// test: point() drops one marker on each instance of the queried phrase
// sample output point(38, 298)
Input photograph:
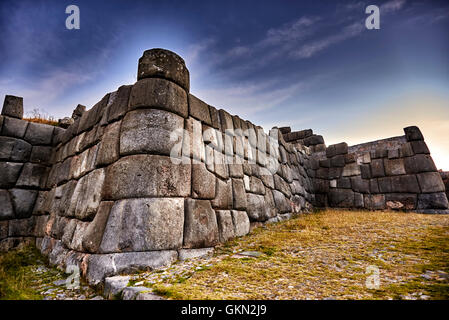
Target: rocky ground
point(328, 255)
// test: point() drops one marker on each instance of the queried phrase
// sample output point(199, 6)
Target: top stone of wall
point(161, 63)
point(13, 107)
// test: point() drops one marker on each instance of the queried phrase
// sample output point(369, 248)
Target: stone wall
point(25, 160)
point(151, 174)
point(445, 177)
point(396, 173)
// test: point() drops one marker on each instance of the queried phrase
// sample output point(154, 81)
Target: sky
point(304, 64)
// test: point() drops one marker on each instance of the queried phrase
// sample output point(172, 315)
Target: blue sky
point(306, 64)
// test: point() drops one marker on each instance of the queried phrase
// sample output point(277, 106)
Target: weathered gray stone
point(94, 232)
point(171, 97)
point(419, 163)
point(105, 265)
point(433, 201)
point(344, 183)
point(39, 133)
point(67, 232)
point(236, 170)
point(119, 106)
point(282, 204)
point(393, 154)
point(351, 169)
point(78, 111)
point(377, 168)
point(23, 202)
point(32, 175)
point(420, 147)
point(161, 63)
point(149, 296)
point(405, 184)
point(86, 196)
point(130, 293)
point(282, 186)
point(65, 122)
point(203, 182)
point(6, 209)
point(225, 225)
point(256, 186)
point(151, 131)
point(78, 236)
point(220, 166)
point(13, 127)
point(14, 149)
point(13, 107)
point(394, 167)
point(21, 227)
point(144, 224)
point(431, 182)
point(374, 201)
point(199, 110)
point(360, 185)
point(350, 158)
point(408, 201)
point(3, 229)
point(255, 206)
point(113, 286)
point(413, 133)
point(185, 254)
point(146, 176)
point(108, 150)
point(373, 186)
point(200, 229)
point(342, 198)
point(239, 194)
point(241, 223)
point(365, 171)
point(406, 150)
point(321, 185)
point(41, 154)
point(9, 173)
point(338, 161)
point(223, 195)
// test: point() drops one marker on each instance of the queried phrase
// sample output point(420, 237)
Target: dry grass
point(326, 255)
point(51, 122)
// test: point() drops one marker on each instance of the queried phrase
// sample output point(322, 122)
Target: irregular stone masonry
point(152, 173)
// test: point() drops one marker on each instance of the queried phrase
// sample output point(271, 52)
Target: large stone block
point(419, 147)
point(9, 173)
point(225, 225)
point(161, 63)
point(342, 198)
point(199, 110)
point(23, 202)
point(432, 201)
point(281, 202)
point(94, 232)
point(223, 195)
point(351, 169)
point(405, 201)
point(6, 209)
point(14, 149)
point(13, 127)
point(201, 228)
point(146, 176)
point(203, 182)
point(144, 224)
point(13, 107)
point(413, 133)
point(239, 194)
point(431, 182)
point(151, 131)
point(21, 227)
point(419, 163)
point(360, 185)
point(394, 167)
point(282, 186)
point(377, 168)
point(256, 186)
point(39, 133)
point(256, 207)
point(119, 105)
point(159, 94)
point(41, 154)
point(338, 161)
point(374, 201)
point(108, 150)
point(241, 223)
point(406, 184)
point(32, 175)
point(105, 265)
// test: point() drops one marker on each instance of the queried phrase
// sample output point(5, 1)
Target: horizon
point(303, 65)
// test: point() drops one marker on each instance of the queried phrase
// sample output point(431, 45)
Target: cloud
point(309, 49)
point(392, 6)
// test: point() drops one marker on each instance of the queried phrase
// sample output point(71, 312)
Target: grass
point(326, 255)
point(16, 274)
point(50, 121)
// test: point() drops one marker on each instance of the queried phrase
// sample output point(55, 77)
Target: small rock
point(97, 298)
point(59, 283)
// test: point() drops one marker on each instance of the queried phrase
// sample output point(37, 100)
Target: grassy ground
point(328, 255)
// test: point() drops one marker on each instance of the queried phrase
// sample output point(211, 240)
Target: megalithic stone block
point(413, 133)
point(161, 63)
point(13, 107)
